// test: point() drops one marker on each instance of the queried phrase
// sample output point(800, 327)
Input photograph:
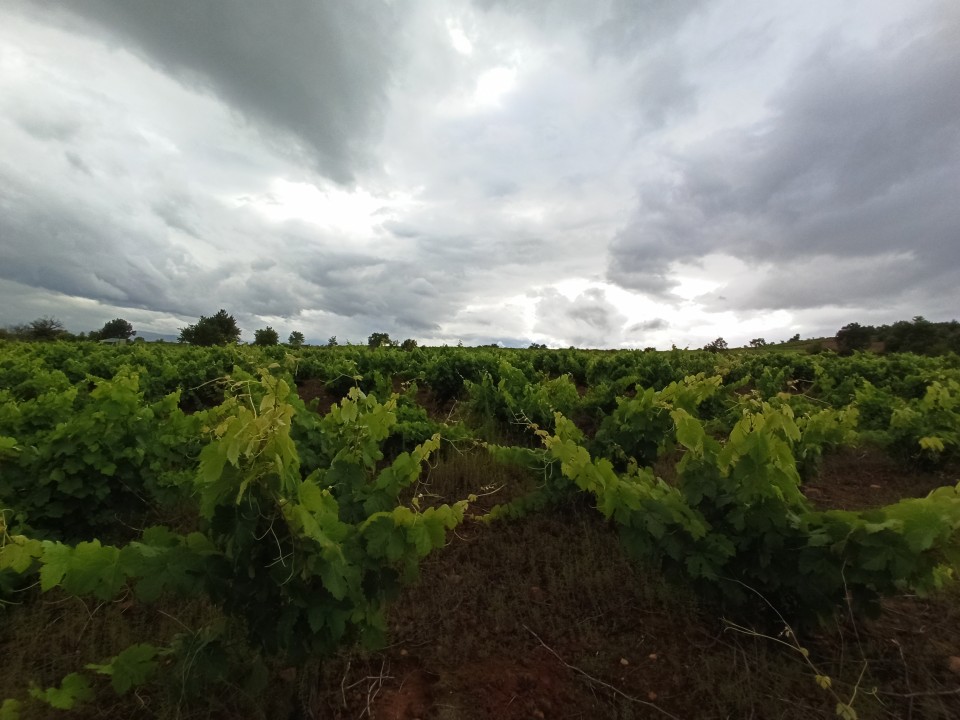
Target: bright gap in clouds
point(458, 38)
point(689, 288)
point(493, 85)
point(690, 321)
point(356, 212)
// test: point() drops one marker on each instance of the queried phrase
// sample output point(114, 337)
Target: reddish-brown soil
point(316, 389)
point(866, 477)
point(545, 618)
point(410, 697)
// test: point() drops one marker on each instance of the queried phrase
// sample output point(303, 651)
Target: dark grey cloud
point(859, 159)
point(46, 126)
point(178, 211)
point(57, 241)
point(394, 295)
point(311, 75)
point(648, 325)
point(77, 162)
point(46, 242)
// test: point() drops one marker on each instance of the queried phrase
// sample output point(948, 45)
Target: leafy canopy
point(266, 336)
point(117, 328)
point(221, 329)
point(379, 339)
point(46, 328)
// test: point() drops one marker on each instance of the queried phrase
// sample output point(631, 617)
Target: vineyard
point(477, 532)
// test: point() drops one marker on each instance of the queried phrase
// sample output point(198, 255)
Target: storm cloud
point(610, 174)
point(842, 195)
point(311, 75)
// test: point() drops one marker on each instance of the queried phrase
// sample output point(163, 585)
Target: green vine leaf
point(75, 688)
point(131, 668)
point(10, 710)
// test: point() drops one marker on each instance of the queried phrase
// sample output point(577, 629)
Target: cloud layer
point(612, 174)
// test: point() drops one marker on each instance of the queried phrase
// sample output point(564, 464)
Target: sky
point(597, 173)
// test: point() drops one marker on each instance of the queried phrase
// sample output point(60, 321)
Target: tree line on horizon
point(918, 335)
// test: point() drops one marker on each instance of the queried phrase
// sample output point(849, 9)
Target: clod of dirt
point(953, 664)
point(411, 700)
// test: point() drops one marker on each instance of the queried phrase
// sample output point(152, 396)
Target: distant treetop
point(118, 328)
point(266, 336)
point(221, 329)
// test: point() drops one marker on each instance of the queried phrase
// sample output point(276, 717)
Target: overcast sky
point(619, 173)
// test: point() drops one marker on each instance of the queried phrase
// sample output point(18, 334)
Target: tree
point(758, 342)
point(46, 328)
point(716, 346)
point(408, 344)
point(296, 339)
point(379, 339)
point(221, 329)
point(332, 342)
point(918, 336)
point(266, 336)
point(118, 328)
point(854, 336)
point(537, 346)
point(16, 332)
point(795, 338)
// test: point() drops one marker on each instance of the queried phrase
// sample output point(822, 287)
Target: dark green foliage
point(84, 456)
point(445, 373)
point(307, 562)
point(265, 336)
point(736, 521)
point(514, 398)
point(379, 339)
point(924, 430)
point(221, 329)
point(117, 328)
point(854, 337)
point(45, 329)
point(304, 525)
point(638, 430)
point(922, 337)
point(296, 339)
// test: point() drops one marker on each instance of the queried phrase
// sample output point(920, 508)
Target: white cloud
point(354, 211)
point(458, 38)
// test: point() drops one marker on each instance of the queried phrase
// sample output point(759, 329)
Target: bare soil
point(544, 617)
point(866, 477)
